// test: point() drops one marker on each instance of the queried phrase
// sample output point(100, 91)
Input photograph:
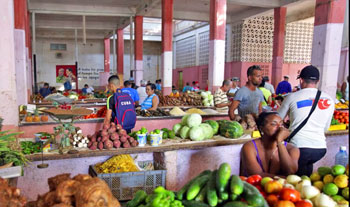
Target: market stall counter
point(183, 159)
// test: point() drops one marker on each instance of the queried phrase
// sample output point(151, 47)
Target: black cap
point(310, 72)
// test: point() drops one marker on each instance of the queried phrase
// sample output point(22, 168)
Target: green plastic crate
point(125, 185)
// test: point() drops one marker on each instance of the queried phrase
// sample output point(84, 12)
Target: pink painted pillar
point(138, 45)
point(8, 96)
point(107, 53)
point(278, 44)
point(326, 45)
point(120, 53)
point(20, 17)
point(217, 43)
point(167, 45)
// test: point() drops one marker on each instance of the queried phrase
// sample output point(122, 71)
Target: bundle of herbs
point(10, 150)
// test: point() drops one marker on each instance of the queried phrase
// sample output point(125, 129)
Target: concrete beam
point(74, 24)
point(81, 9)
point(182, 15)
point(246, 14)
point(146, 6)
point(69, 34)
point(305, 14)
point(255, 3)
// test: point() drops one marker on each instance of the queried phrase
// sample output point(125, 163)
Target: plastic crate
point(125, 185)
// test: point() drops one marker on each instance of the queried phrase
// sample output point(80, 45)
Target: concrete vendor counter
point(183, 160)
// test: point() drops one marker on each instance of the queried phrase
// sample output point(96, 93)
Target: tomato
point(263, 193)
point(272, 199)
point(303, 203)
point(258, 186)
point(284, 204)
point(254, 179)
point(289, 195)
point(243, 178)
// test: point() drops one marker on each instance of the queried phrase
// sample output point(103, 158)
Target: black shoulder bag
point(307, 118)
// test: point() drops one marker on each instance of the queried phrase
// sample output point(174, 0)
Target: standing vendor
point(113, 85)
point(152, 100)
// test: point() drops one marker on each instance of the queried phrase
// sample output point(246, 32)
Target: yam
point(99, 139)
point(112, 130)
point(114, 136)
point(134, 143)
point(108, 144)
point(104, 132)
point(93, 147)
point(100, 145)
point(106, 126)
point(105, 138)
point(93, 138)
point(122, 132)
point(126, 144)
point(123, 139)
point(117, 144)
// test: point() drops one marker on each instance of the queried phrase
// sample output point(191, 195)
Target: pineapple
point(29, 117)
point(36, 116)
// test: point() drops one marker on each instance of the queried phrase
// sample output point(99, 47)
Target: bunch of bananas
point(342, 105)
point(117, 164)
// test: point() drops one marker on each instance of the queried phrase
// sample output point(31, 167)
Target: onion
point(300, 184)
point(323, 200)
point(309, 192)
point(293, 179)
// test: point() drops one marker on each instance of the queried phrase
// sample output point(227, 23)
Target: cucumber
point(223, 177)
point(202, 194)
point(139, 198)
point(212, 196)
point(183, 190)
point(252, 195)
point(236, 204)
point(194, 204)
point(223, 195)
point(196, 186)
point(236, 185)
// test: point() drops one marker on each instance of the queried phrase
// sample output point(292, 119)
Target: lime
point(341, 181)
point(318, 184)
point(315, 177)
point(157, 131)
point(265, 180)
point(345, 193)
point(338, 170)
point(330, 189)
point(328, 178)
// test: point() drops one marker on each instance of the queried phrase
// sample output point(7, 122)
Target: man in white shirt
point(311, 139)
point(268, 85)
point(220, 97)
point(142, 91)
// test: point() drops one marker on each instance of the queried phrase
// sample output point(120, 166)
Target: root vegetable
point(114, 136)
point(105, 138)
point(126, 144)
point(106, 126)
point(100, 145)
point(113, 124)
point(119, 127)
point(104, 133)
point(99, 139)
point(123, 132)
point(123, 139)
point(117, 144)
point(112, 130)
point(89, 144)
point(131, 140)
point(108, 144)
point(93, 147)
point(93, 138)
point(134, 143)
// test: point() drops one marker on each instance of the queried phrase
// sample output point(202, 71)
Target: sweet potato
point(106, 126)
point(134, 143)
point(99, 139)
point(119, 127)
point(100, 145)
point(122, 132)
point(93, 147)
point(113, 124)
point(112, 130)
point(105, 138)
point(93, 138)
point(89, 144)
point(126, 144)
point(114, 136)
point(131, 140)
point(104, 132)
point(123, 139)
point(108, 144)
point(117, 144)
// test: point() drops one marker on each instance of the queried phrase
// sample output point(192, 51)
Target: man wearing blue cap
point(310, 139)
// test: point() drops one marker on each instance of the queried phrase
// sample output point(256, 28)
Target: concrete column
point(167, 46)
point(107, 53)
point(278, 44)
point(8, 97)
point(20, 13)
point(138, 49)
point(326, 45)
point(217, 43)
point(120, 54)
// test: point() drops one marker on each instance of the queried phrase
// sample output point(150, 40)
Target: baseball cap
point(286, 76)
point(235, 79)
point(309, 72)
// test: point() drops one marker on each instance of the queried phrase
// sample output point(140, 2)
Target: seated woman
point(152, 101)
point(270, 155)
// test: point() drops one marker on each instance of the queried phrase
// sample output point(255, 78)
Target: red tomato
point(254, 179)
point(263, 194)
point(272, 199)
point(303, 203)
point(288, 194)
point(284, 204)
point(259, 187)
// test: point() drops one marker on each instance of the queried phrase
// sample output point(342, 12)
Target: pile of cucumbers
point(219, 188)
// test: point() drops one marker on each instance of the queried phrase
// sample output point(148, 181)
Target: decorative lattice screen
point(204, 48)
point(186, 52)
point(236, 33)
point(298, 42)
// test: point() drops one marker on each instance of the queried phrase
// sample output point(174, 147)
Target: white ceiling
point(104, 16)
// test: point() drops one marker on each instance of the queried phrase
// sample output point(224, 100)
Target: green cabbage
point(197, 133)
point(185, 132)
point(208, 131)
point(194, 120)
point(184, 120)
point(177, 128)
